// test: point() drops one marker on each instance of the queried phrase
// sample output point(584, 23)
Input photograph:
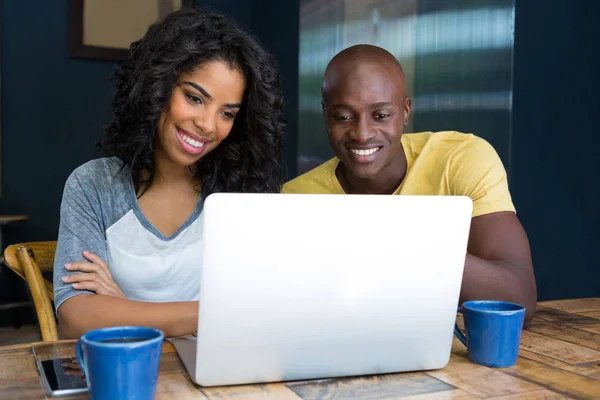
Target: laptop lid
point(313, 286)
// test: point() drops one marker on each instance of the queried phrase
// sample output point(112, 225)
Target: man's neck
point(386, 182)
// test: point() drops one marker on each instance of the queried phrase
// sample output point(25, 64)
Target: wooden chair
point(29, 260)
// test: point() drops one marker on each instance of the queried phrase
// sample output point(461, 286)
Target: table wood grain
point(559, 359)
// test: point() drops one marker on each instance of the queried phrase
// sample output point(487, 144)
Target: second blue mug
point(493, 331)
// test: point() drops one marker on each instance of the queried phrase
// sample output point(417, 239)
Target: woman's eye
point(193, 98)
point(228, 114)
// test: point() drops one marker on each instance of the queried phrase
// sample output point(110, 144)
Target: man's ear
point(323, 108)
point(407, 105)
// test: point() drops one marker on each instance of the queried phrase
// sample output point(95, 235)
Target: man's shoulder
point(445, 144)
point(317, 180)
point(451, 138)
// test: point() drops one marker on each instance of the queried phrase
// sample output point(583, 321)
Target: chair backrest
point(29, 260)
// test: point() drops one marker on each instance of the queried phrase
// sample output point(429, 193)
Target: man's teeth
point(367, 152)
point(191, 141)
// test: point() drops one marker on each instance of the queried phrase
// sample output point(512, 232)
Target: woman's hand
point(97, 277)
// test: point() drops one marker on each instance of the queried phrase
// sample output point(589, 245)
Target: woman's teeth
point(367, 152)
point(191, 141)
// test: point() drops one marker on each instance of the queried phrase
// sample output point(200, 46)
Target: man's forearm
point(490, 280)
point(85, 312)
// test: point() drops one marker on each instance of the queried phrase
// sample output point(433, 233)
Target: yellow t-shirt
point(439, 163)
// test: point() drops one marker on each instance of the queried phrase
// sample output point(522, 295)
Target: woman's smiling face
point(201, 112)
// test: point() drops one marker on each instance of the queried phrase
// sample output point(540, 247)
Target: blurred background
point(520, 73)
point(457, 56)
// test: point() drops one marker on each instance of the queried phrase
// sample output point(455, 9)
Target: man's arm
point(499, 266)
point(85, 312)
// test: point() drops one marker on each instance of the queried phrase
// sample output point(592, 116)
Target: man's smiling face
point(365, 109)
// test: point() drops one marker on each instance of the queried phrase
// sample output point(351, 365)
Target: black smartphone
point(61, 377)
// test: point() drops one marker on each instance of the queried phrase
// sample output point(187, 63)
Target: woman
point(197, 110)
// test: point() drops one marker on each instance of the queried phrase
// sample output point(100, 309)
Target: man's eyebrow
point(381, 104)
point(199, 88)
point(344, 106)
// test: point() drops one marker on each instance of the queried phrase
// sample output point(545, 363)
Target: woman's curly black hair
point(250, 158)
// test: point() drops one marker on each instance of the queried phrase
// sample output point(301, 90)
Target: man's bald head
point(365, 107)
point(359, 62)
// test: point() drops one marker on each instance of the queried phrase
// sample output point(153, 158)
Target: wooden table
point(559, 358)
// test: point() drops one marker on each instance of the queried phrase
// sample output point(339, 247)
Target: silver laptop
point(298, 287)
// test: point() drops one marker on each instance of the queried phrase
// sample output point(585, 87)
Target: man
point(365, 107)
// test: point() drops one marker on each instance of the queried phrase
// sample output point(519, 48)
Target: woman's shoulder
point(106, 170)
point(102, 187)
point(100, 167)
point(105, 176)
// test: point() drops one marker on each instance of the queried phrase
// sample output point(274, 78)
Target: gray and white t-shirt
point(100, 213)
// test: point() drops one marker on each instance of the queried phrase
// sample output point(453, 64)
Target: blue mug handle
point(80, 359)
point(457, 331)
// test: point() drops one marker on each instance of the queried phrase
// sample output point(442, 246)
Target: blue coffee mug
point(493, 331)
point(121, 362)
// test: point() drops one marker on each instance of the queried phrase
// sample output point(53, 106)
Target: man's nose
point(362, 132)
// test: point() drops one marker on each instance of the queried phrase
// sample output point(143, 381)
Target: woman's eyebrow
point(208, 95)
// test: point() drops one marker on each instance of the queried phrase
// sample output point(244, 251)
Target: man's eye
point(382, 116)
point(343, 118)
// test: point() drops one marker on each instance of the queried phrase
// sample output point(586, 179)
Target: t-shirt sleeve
point(80, 229)
point(476, 170)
